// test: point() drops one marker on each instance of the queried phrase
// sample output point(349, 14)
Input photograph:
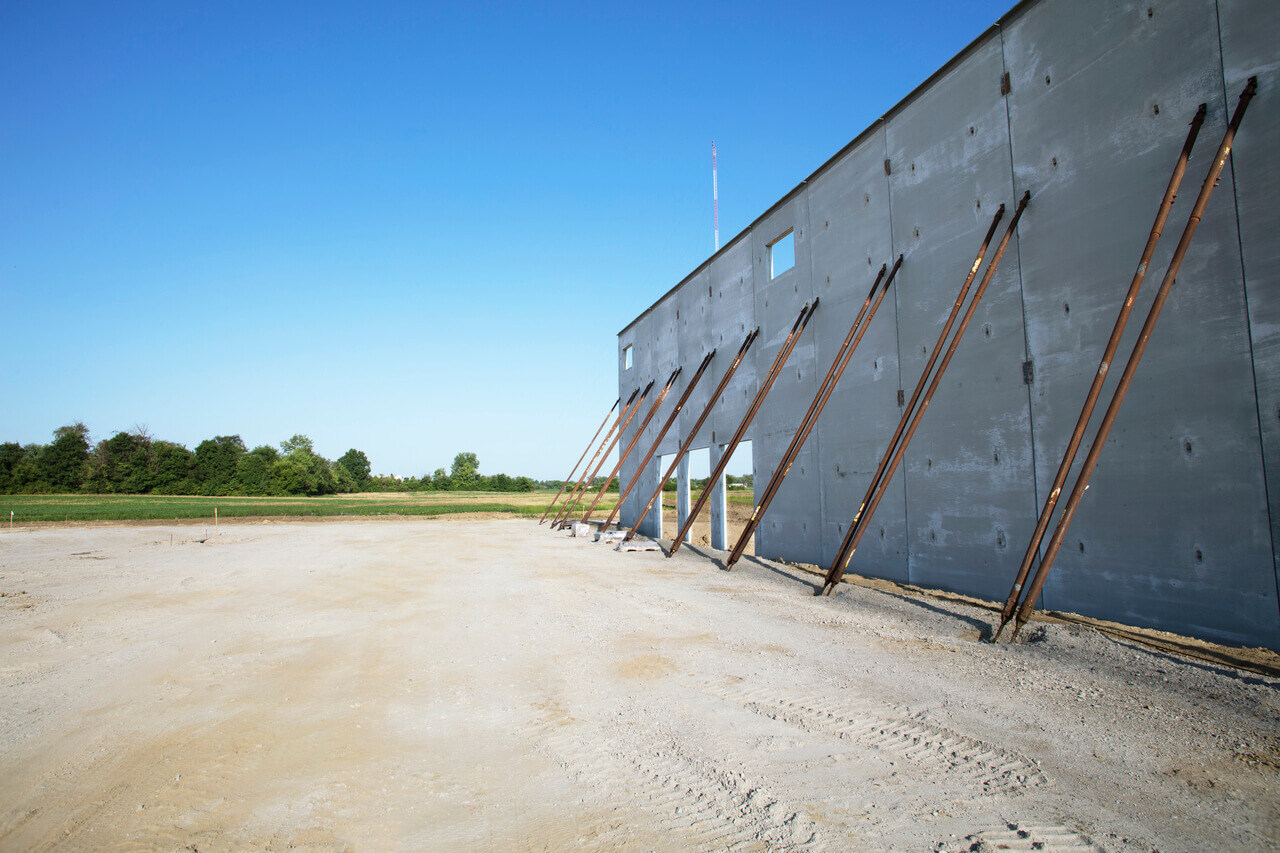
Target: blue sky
point(404, 228)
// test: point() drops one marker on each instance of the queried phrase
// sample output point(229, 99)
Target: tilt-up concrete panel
point(968, 472)
point(851, 239)
point(1249, 37)
point(698, 335)
point(655, 356)
point(733, 313)
point(1185, 453)
point(793, 524)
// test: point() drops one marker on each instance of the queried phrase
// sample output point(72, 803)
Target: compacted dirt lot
point(489, 685)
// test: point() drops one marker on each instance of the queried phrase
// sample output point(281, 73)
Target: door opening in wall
point(739, 499)
point(699, 470)
point(661, 464)
point(739, 478)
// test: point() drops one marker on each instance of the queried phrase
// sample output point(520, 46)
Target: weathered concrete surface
point(1182, 521)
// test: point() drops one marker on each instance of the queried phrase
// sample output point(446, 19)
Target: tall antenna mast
point(715, 193)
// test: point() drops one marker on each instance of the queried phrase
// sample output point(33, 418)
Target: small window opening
point(782, 254)
point(626, 357)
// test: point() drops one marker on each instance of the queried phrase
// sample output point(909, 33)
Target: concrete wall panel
point(792, 527)
point(1145, 546)
point(968, 474)
point(849, 214)
point(733, 312)
point(1249, 32)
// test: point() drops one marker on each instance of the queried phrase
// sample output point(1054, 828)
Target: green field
point(30, 508)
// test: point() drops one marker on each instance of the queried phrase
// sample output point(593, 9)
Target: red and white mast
point(715, 194)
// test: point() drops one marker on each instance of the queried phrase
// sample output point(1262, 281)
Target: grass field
point(30, 508)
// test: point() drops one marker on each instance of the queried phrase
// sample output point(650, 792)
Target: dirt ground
point(700, 533)
point(490, 685)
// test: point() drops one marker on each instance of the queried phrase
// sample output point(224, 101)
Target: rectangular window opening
point(626, 357)
point(782, 254)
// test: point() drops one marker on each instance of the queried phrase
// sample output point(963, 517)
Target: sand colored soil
point(700, 533)
point(491, 685)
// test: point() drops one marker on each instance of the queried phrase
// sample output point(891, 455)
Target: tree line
point(137, 463)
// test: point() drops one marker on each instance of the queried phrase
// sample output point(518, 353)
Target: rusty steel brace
point(1131, 367)
point(662, 433)
point(1095, 389)
point(622, 413)
point(563, 519)
point(574, 469)
point(859, 526)
point(779, 361)
point(841, 361)
point(693, 433)
point(909, 410)
point(635, 439)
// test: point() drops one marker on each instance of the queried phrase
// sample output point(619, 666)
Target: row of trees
point(136, 463)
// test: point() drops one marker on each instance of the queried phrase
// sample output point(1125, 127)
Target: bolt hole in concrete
point(1199, 556)
point(1155, 109)
point(1187, 447)
point(1081, 547)
point(1046, 79)
point(1066, 308)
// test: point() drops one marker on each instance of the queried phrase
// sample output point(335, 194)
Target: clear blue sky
point(404, 228)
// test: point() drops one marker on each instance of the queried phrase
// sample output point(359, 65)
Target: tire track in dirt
point(934, 748)
point(693, 801)
point(1021, 837)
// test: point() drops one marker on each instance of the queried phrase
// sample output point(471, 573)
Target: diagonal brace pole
point(662, 433)
point(825, 389)
point(806, 314)
point(1140, 347)
point(562, 519)
point(693, 433)
point(1095, 389)
point(574, 469)
point(635, 439)
point(841, 563)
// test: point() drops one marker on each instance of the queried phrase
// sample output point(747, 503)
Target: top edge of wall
point(911, 96)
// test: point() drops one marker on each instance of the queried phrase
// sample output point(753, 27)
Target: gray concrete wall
point(1181, 525)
